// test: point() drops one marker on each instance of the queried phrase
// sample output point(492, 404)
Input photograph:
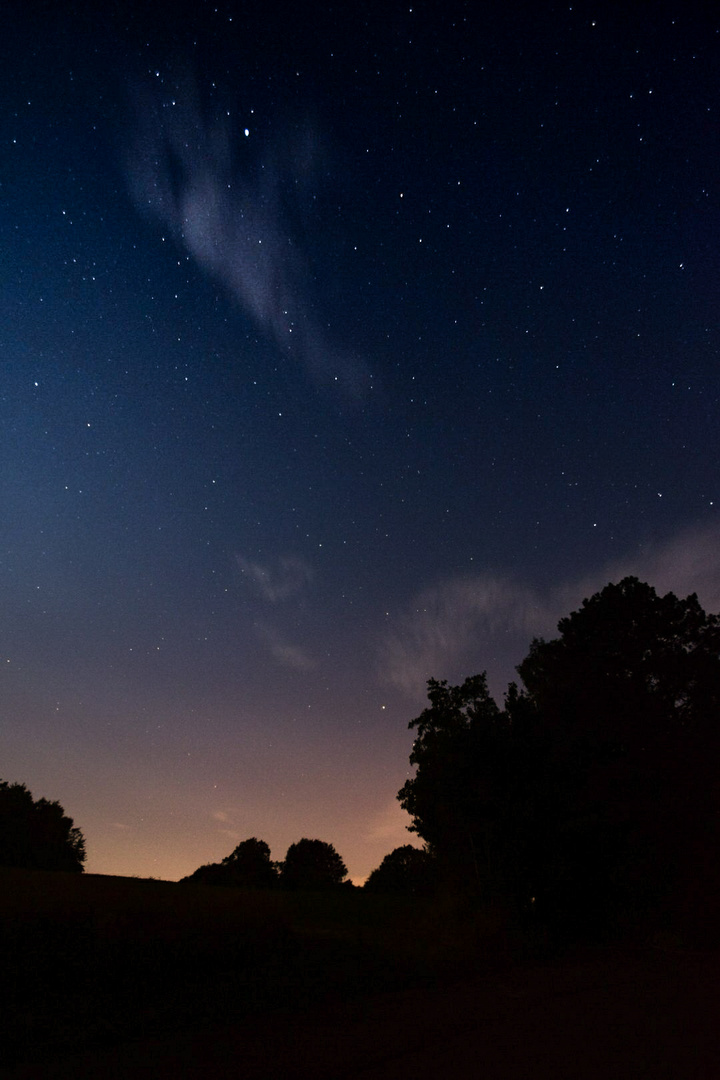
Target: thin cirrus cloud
point(184, 170)
point(456, 622)
point(285, 578)
point(225, 824)
point(487, 621)
point(273, 583)
point(688, 562)
point(284, 652)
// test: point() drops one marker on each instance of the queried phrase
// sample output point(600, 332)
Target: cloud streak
point(287, 578)
point(288, 655)
point(184, 171)
point(479, 622)
point(449, 623)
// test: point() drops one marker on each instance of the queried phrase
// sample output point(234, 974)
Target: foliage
point(625, 702)
point(648, 665)
point(309, 864)
point(407, 870)
point(249, 866)
point(37, 834)
point(593, 797)
point(462, 752)
point(312, 865)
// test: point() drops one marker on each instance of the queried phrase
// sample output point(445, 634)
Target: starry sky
point(341, 346)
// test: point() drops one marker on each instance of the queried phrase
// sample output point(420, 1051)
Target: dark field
point(111, 977)
point(95, 961)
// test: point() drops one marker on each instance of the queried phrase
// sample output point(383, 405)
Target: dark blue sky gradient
point(295, 419)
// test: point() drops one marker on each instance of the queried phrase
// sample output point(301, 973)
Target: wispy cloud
point(471, 621)
point(232, 834)
point(226, 824)
point(285, 578)
point(687, 563)
point(185, 170)
point(273, 583)
point(289, 655)
point(292, 656)
point(455, 621)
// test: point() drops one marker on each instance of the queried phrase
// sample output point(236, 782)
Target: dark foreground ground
point(113, 978)
point(642, 1013)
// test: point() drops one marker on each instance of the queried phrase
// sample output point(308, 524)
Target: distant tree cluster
point(312, 865)
point(37, 834)
point(593, 797)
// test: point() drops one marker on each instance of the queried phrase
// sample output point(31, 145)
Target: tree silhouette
point(462, 753)
point(594, 793)
point(407, 869)
point(312, 865)
point(249, 866)
point(624, 707)
point(37, 834)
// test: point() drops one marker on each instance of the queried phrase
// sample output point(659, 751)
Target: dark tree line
point(37, 834)
point(590, 801)
point(309, 864)
point(593, 797)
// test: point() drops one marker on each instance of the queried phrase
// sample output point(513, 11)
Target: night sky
point(340, 348)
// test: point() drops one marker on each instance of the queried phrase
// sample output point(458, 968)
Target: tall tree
point(37, 834)
point(596, 790)
point(461, 751)
point(626, 705)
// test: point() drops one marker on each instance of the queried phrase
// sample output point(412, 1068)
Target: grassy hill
point(95, 960)
point(105, 976)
